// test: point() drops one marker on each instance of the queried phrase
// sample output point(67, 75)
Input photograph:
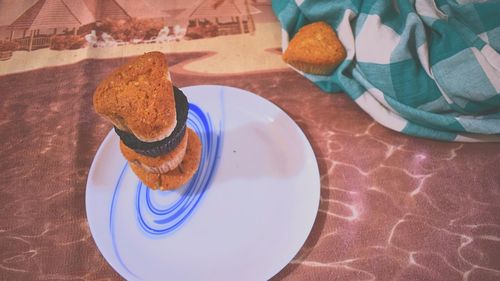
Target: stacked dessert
point(149, 115)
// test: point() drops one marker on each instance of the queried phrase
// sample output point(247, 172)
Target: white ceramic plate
point(244, 215)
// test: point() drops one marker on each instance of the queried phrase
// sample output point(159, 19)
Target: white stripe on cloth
point(346, 34)
point(490, 63)
point(428, 8)
point(372, 102)
point(484, 37)
point(299, 2)
point(376, 41)
point(476, 138)
point(492, 56)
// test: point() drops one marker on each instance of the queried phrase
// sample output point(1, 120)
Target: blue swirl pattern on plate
point(154, 217)
point(159, 219)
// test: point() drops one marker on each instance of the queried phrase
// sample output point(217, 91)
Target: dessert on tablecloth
point(315, 49)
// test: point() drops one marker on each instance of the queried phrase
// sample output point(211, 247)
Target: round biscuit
point(180, 175)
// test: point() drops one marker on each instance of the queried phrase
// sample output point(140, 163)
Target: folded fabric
point(424, 68)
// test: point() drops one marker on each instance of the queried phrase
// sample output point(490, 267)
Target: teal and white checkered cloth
point(425, 68)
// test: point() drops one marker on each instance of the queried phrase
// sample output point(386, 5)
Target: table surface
point(392, 207)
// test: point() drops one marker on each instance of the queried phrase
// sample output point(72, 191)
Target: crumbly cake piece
point(138, 98)
point(158, 148)
point(179, 176)
point(160, 164)
point(315, 49)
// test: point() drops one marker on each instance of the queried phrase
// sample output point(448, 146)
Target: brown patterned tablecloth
point(392, 207)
